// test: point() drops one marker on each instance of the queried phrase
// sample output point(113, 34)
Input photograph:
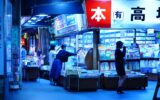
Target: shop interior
point(80, 70)
point(28, 43)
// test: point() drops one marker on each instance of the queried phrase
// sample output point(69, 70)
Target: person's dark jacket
point(120, 62)
point(119, 55)
point(63, 55)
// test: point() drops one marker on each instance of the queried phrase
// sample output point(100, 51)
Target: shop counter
point(133, 81)
point(84, 81)
point(44, 72)
point(30, 73)
point(73, 82)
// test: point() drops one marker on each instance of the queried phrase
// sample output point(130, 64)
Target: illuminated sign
point(135, 13)
point(98, 13)
point(123, 13)
point(67, 23)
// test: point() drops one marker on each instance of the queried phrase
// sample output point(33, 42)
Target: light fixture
point(33, 23)
point(33, 18)
point(42, 15)
point(29, 21)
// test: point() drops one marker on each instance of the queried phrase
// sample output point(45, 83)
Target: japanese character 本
point(98, 15)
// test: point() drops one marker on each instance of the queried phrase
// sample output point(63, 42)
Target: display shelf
point(114, 60)
point(149, 50)
point(107, 49)
point(149, 59)
point(85, 43)
point(145, 36)
point(118, 37)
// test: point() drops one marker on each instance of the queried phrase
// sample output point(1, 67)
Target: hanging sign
point(98, 13)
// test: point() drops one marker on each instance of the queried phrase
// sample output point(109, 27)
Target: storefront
point(97, 31)
point(119, 23)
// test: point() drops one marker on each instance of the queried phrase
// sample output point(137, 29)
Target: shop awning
point(59, 8)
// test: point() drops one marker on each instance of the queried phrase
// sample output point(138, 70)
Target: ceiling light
point(34, 18)
point(33, 23)
point(29, 21)
point(42, 15)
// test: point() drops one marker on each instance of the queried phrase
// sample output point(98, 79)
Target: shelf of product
point(108, 39)
point(80, 44)
point(149, 50)
point(112, 36)
point(84, 44)
point(142, 37)
point(107, 49)
point(106, 52)
point(144, 58)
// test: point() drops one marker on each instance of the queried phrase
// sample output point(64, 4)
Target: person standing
point(52, 55)
point(120, 65)
point(23, 53)
point(134, 44)
point(61, 57)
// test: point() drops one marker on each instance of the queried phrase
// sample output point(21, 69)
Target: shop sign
point(68, 29)
point(123, 13)
point(98, 13)
point(68, 23)
point(135, 14)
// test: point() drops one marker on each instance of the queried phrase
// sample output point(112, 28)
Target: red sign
point(98, 13)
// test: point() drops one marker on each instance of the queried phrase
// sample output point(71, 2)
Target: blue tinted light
point(34, 18)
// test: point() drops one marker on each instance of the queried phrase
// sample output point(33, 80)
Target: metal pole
point(15, 42)
point(96, 33)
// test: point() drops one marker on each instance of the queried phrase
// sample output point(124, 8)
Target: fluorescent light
point(38, 20)
point(29, 21)
point(34, 18)
point(42, 15)
point(33, 23)
point(48, 16)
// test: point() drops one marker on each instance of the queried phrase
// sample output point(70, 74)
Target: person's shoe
point(120, 92)
point(55, 84)
point(51, 83)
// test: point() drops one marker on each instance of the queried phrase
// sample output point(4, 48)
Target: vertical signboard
point(1, 38)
